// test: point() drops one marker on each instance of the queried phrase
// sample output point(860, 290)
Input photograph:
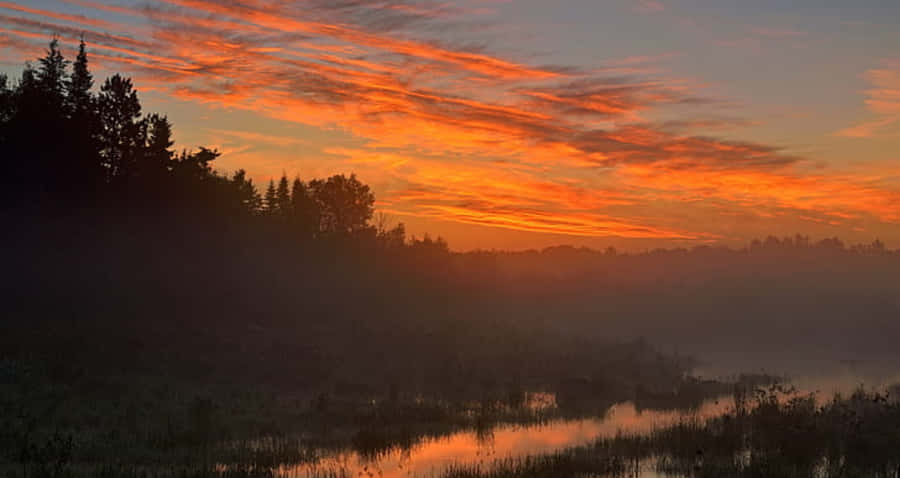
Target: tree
point(304, 211)
point(270, 203)
point(40, 126)
point(52, 77)
point(122, 133)
point(195, 167)
point(6, 106)
point(159, 142)
point(5, 99)
point(437, 246)
point(389, 237)
point(7, 112)
point(345, 204)
point(283, 197)
point(247, 197)
point(79, 95)
point(29, 78)
point(84, 124)
point(20, 157)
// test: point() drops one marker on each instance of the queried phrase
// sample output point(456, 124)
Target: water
point(433, 456)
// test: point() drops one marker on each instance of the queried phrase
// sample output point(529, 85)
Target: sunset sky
point(527, 123)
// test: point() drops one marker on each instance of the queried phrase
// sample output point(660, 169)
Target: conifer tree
point(52, 76)
point(283, 197)
point(23, 120)
point(29, 77)
point(270, 202)
point(84, 123)
point(6, 105)
point(159, 142)
point(45, 105)
point(7, 110)
point(121, 132)
point(305, 217)
point(80, 84)
point(195, 167)
point(248, 198)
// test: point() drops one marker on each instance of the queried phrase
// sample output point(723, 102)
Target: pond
point(431, 457)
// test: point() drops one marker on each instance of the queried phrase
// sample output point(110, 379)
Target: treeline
point(68, 148)
point(71, 151)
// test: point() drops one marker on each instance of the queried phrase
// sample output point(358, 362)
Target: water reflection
point(484, 448)
point(431, 457)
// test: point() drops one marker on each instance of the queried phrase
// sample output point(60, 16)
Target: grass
point(770, 433)
point(157, 429)
point(54, 424)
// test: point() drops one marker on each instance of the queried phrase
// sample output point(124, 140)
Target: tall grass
point(770, 433)
point(52, 425)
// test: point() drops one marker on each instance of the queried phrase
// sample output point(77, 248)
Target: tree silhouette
point(195, 167)
point(159, 154)
point(345, 204)
point(79, 94)
point(52, 78)
point(84, 168)
point(121, 133)
point(42, 113)
point(305, 213)
point(103, 142)
point(6, 106)
point(19, 157)
point(270, 202)
point(248, 199)
point(283, 198)
point(389, 238)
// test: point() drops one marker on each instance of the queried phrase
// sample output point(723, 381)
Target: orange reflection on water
point(433, 456)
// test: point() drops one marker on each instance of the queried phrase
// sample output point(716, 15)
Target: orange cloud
point(80, 19)
point(884, 96)
point(840, 197)
point(465, 135)
point(882, 99)
point(868, 129)
point(281, 19)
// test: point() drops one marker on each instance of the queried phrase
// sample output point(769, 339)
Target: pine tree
point(52, 76)
point(29, 78)
point(305, 217)
point(270, 203)
point(80, 84)
point(18, 140)
point(48, 116)
point(121, 134)
point(6, 104)
point(298, 196)
point(247, 196)
point(283, 197)
point(7, 111)
point(84, 124)
point(159, 142)
point(195, 167)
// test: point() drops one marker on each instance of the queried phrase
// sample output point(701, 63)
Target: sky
point(514, 124)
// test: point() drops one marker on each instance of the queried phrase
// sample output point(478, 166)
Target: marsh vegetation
point(769, 432)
